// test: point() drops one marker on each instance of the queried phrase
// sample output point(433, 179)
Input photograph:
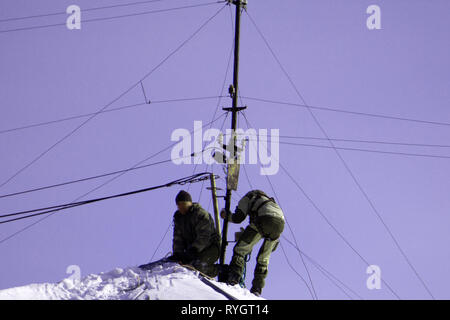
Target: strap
point(263, 203)
point(257, 197)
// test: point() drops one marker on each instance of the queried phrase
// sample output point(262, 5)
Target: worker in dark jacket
point(195, 239)
point(266, 222)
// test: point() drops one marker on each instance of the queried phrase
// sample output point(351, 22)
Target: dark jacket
point(194, 229)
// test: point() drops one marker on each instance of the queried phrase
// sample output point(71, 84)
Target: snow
point(168, 281)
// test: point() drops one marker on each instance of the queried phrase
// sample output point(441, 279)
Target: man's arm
point(240, 213)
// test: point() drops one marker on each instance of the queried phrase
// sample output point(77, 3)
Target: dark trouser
point(267, 228)
point(206, 259)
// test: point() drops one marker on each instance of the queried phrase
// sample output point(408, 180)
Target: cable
point(98, 187)
point(325, 272)
point(160, 242)
point(370, 202)
point(312, 289)
point(350, 112)
point(221, 93)
point(104, 111)
point(363, 150)
point(97, 176)
point(102, 175)
point(368, 150)
point(246, 175)
point(190, 179)
point(110, 18)
point(316, 207)
point(408, 144)
point(295, 271)
point(207, 166)
point(61, 206)
point(116, 99)
point(296, 243)
point(84, 10)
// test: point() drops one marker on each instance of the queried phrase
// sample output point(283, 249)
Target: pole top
point(243, 3)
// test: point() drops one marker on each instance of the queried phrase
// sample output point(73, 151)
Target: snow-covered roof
point(168, 281)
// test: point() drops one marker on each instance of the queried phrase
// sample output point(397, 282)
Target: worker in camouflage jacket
point(266, 222)
point(195, 239)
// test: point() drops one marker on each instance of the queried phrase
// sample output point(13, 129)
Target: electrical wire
point(98, 187)
point(318, 210)
point(325, 272)
point(358, 184)
point(105, 111)
point(100, 176)
point(84, 10)
point(406, 144)
point(111, 18)
point(116, 99)
point(54, 209)
point(366, 114)
point(311, 289)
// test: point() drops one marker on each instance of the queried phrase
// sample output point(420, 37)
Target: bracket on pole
point(242, 2)
point(237, 109)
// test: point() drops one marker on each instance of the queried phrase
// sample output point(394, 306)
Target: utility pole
point(215, 203)
point(234, 90)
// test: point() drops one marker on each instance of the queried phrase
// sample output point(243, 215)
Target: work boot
point(256, 291)
point(233, 279)
point(212, 271)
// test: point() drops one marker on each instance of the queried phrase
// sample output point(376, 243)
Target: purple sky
point(401, 70)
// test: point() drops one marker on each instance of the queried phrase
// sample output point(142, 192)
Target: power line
point(100, 186)
point(246, 175)
point(81, 180)
point(350, 112)
point(370, 202)
point(407, 144)
point(325, 272)
point(425, 155)
point(332, 226)
point(191, 179)
point(295, 271)
point(116, 99)
point(207, 166)
point(295, 240)
point(104, 111)
point(99, 176)
point(111, 18)
point(160, 242)
point(316, 207)
point(88, 9)
point(312, 289)
point(368, 150)
point(220, 94)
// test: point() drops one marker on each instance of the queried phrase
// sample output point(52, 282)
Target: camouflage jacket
point(194, 229)
point(256, 204)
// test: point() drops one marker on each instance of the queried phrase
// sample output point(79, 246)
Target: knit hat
point(183, 196)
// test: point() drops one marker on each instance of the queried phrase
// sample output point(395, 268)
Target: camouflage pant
point(206, 259)
point(269, 229)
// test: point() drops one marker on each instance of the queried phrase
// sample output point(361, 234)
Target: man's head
point(183, 201)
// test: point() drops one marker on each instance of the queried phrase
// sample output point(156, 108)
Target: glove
point(225, 213)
